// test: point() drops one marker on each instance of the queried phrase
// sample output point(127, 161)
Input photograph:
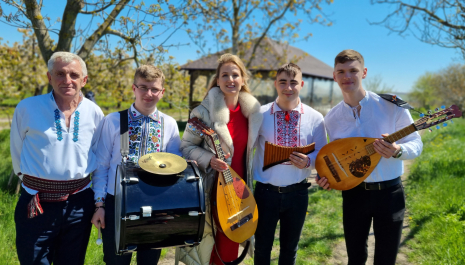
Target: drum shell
point(171, 199)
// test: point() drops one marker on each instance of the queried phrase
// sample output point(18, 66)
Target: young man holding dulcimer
point(281, 190)
point(380, 197)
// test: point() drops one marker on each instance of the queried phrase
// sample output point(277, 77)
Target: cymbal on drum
point(162, 163)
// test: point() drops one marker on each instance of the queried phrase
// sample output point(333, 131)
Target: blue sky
point(400, 61)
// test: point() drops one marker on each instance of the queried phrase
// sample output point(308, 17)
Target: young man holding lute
point(381, 196)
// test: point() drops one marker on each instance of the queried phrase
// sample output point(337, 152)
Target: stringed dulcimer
point(236, 209)
point(348, 162)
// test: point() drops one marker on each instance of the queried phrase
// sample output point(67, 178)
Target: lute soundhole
point(360, 166)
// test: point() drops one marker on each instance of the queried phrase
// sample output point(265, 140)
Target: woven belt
point(379, 185)
point(294, 187)
point(51, 191)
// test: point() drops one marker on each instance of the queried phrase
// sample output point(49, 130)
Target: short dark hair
point(349, 55)
point(290, 68)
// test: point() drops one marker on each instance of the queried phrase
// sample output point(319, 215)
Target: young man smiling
point(380, 197)
point(281, 191)
point(150, 131)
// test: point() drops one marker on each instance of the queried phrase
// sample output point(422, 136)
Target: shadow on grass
point(312, 240)
point(414, 230)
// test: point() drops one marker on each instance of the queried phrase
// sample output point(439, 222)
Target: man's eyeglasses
point(146, 89)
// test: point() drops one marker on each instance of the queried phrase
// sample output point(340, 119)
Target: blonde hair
point(149, 73)
point(349, 55)
point(230, 58)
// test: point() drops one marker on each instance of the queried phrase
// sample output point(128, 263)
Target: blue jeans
point(290, 209)
point(144, 256)
point(59, 235)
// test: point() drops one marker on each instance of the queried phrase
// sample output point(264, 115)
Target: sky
point(398, 60)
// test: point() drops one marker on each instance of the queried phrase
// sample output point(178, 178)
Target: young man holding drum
point(150, 131)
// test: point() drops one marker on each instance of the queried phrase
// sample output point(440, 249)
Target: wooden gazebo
point(268, 57)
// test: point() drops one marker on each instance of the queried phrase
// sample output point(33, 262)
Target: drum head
point(118, 207)
point(162, 163)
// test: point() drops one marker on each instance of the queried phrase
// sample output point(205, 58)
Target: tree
point(451, 85)
point(424, 91)
point(250, 21)
point(375, 84)
point(22, 72)
point(437, 22)
point(135, 29)
point(446, 87)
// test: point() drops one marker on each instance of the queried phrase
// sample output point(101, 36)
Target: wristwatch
point(399, 153)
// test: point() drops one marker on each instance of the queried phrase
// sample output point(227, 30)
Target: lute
point(348, 162)
point(236, 209)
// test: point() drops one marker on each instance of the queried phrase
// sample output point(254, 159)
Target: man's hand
point(99, 216)
point(299, 160)
point(384, 148)
point(323, 182)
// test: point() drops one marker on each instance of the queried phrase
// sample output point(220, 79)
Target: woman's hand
point(218, 164)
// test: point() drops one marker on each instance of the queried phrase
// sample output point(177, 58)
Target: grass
point(436, 198)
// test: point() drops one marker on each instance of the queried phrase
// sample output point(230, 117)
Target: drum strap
point(244, 251)
point(124, 133)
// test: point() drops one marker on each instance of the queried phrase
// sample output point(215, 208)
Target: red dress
point(239, 129)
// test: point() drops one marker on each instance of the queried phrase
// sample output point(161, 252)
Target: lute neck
point(393, 137)
point(219, 152)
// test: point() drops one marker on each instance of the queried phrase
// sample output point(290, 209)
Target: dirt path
point(340, 253)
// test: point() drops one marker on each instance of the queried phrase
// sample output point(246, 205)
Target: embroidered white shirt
point(304, 127)
point(377, 116)
point(157, 132)
point(36, 149)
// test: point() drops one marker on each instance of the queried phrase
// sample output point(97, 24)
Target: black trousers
point(290, 210)
point(59, 235)
point(386, 208)
point(144, 256)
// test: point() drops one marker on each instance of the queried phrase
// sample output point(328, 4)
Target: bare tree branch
point(98, 10)
point(68, 24)
point(40, 30)
point(437, 22)
point(90, 42)
point(257, 43)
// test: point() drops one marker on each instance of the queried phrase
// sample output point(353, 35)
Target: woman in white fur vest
point(233, 113)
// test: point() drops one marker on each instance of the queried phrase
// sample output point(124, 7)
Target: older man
point(51, 138)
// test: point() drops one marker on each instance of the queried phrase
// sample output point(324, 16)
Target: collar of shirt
point(54, 103)
point(275, 108)
point(348, 112)
point(136, 115)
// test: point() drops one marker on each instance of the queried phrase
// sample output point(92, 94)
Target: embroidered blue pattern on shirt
point(58, 125)
point(76, 126)
point(145, 134)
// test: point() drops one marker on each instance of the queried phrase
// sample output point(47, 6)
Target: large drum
point(157, 211)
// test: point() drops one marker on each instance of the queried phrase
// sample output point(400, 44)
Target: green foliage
point(436, 198)
point(23, 74)
point(446, 87)
point(22, 69)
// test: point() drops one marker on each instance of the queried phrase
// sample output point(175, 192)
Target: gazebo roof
point(268, 57)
